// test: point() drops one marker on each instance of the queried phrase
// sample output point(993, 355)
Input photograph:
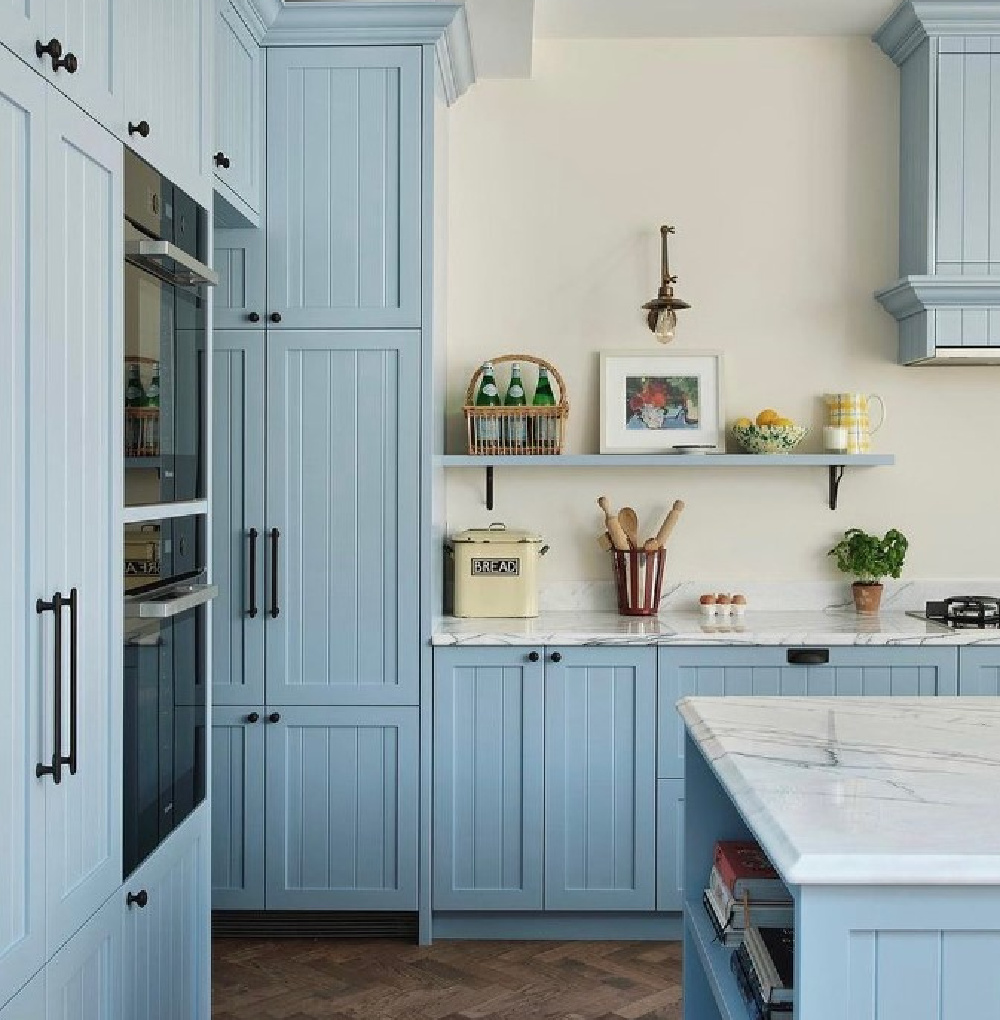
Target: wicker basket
point(497, 430)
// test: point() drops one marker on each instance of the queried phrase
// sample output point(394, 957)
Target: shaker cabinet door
point(344, 186)
point(341, 563)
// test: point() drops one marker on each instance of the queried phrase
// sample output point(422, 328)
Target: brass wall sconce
point(662, 310)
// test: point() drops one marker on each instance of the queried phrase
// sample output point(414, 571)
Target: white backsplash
point(556, 596)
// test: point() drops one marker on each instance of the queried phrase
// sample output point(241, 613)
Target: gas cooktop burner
point(965, 611)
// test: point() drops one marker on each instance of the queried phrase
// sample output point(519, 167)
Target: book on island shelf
point(745, 869)
point(747, 910)
point(725, 934)
point(771, 952)
point(757, 1006)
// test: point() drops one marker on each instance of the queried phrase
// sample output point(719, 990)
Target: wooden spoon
point(629, 521)
point(618, 538)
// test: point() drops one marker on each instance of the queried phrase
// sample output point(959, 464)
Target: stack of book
point(763, 968)
point(744, 890)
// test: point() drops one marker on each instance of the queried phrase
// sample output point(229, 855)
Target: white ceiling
point(618, 19)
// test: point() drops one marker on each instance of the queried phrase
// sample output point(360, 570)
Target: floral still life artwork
point(661, 402)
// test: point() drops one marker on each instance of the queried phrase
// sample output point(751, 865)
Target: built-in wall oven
point(165, 679)
point(166, 325)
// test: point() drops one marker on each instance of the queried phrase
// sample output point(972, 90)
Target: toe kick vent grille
point(313, 924)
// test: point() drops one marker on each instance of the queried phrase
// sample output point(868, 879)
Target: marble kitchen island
point(883, 816)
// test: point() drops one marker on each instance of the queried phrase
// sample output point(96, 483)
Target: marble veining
point(797, 627)
point(861, 790)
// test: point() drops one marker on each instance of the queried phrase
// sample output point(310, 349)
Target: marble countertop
point(796, 627)
point(862, 790)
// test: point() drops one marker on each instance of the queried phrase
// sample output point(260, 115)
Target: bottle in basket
point(487, 429)
point(515, 426)
point(544, 428)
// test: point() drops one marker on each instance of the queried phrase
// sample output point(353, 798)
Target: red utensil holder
point(638, 580)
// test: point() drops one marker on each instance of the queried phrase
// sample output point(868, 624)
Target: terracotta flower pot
point(867, 597)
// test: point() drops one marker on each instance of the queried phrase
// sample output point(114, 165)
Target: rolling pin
point(668, 525)
point(616, 532)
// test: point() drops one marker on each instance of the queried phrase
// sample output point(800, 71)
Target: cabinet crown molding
point(914, 21)
point(914, 294)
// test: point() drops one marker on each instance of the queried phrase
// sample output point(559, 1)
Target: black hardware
point(221, 159)
point(253, 717)
point(254, 317)
point(556, 656)
point(275, 535)
point(69, 62)
point(275, 316)
point(489, 486)
point(532, 656)
point(836, 474)
point(55, 769)
point(140, 899)
point(53, 48)
point(73, 647)
point(142, 128)
point(807, 656)
point(274, 717)
point(252, 611)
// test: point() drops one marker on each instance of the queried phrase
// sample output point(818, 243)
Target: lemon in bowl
point(780, 436)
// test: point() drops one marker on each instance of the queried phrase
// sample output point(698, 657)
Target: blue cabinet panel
point(239, 261)
point(600, 731)
point(759, 671)
point(488, 793)
point(670, 844)
point(238, 808)
point(342, 484)
point(343, 186)
point(979, 671)
point(238, 507)
point(341, 789)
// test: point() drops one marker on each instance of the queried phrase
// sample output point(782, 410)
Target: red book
point(745, 869)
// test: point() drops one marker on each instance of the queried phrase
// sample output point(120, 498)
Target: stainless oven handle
point(163, 608)
point(198, 271)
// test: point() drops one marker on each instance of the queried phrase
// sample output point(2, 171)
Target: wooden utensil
point(618, 537)
point(604, 541)
point(629, 521)
point(668, 525)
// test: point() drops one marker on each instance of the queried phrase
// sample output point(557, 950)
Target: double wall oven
point(166, 589)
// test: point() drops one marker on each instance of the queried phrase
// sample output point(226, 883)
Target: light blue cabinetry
point(979, 670)
point(239, 261)
point(28, 1003)
point(84, 980)
point(883, 671)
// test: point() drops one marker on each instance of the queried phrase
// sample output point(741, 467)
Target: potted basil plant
point(870, 558)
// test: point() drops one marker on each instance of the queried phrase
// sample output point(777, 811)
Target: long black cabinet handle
point(807, 656)
point(73, 656)
point(252, 535)
point(275, 535)
point(55, 769)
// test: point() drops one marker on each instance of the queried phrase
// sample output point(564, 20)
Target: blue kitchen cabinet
point(342, 806)
point(344, 180)
point(238, 807)
point(765, 670)
point(238, 301)
point(488, 780)
point(979, 670)
point(669, 844)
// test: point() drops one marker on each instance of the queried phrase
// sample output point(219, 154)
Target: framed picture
point(654, 402)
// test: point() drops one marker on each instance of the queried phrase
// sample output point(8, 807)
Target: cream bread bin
point(496, 571)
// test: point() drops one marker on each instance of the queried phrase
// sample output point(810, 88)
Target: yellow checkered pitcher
point(853, 412)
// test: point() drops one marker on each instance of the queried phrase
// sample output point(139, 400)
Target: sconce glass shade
point(666, 325)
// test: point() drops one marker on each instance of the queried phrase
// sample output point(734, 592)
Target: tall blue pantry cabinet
point(323, 336)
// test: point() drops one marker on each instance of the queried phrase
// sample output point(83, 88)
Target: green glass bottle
point(153, 389)
point(135, 393)
point(516, 426)
point(544, 426)
point(487, 429)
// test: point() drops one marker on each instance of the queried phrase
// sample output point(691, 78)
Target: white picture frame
point(661, 402)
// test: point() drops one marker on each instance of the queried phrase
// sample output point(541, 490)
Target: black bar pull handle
point(252, 535)
point(55, 769)
point(275, 535)
point(808, 656)
point(73, 655)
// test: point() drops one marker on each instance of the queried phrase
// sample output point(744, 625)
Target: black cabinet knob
point(69, 62)
point(275, 316)
point(533, 656)
point(140, 899)
point(142, 128)
point(221, 159)
point(254, 317)
point(274, 717)
point(53, 48)
point(556, 656)
point(253, 717)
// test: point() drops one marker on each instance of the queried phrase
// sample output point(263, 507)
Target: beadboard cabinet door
point(979, 671)
point(84, 980)
point(600, 785)
point(342, 794)
point(759, 671)
point(341, 563)
point(238, 531)
point(344, 186)
point(28, 1003)
point(488, 779)
point(22, 311)
point(238, 807)
point(21, 23)
point(239, 261)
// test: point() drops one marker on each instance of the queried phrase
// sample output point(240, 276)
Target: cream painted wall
point(776, 159)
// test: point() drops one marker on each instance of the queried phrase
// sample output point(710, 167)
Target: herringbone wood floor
point(346, 979)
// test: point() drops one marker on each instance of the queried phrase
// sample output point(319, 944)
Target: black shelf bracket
point(489, 486)
point(836, 474)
